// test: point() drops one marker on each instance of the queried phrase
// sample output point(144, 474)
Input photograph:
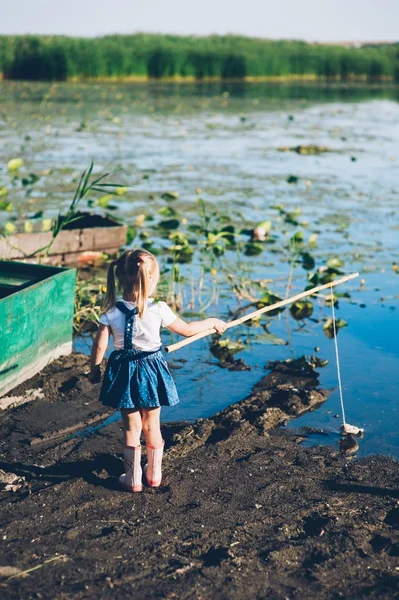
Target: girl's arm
point(188, 329)
point(97, 353)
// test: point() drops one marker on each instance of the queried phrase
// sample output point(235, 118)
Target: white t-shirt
point(145, 331)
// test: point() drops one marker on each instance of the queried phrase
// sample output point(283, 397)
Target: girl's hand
point(219, 325)
point(95, 375)
point(188, 329)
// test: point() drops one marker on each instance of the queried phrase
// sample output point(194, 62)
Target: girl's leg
point(152, 426)
point(154, 443)
point(131, 479)
point(132, 426)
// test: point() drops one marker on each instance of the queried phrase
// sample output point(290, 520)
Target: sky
point(311, 20)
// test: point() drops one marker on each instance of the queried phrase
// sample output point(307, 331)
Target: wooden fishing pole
point(261, 311)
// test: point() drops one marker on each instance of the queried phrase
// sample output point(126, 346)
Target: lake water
point(225, 140)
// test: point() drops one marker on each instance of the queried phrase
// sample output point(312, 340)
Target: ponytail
point(133, 272)
point(110, 296)
point(141, 289)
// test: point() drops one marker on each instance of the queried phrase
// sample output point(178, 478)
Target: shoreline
point(282, 79)
point(243, 510)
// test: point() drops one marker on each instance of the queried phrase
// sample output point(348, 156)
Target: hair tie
point(140, 260)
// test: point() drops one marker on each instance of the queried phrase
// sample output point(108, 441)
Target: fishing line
point(346, 428)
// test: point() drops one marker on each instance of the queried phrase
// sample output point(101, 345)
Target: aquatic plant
point(87, 183)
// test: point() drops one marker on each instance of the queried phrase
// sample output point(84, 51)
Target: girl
point(137, 379)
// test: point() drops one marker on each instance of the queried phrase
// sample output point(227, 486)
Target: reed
point(52, 58)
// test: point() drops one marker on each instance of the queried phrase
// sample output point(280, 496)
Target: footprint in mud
point(382, 543)
point(69, 384)
point(314, 525)
point(215, 556)
point(218, 435)
point(392, 518)
point(316, 557)
point(107, 531)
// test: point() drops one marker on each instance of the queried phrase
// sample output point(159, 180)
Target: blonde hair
point(130, 275)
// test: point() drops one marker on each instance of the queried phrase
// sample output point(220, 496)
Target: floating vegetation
point(30, 180)
point(301, 310)
point(15, 164)
point(325, 273)
point(253, 248)
point(170, 196)
point(305, 150)
point(224, 349)
point(307, 260)
point(6, 205)
point(261, 231)
point(267, 299)
point(328, 327)
point(169, 224)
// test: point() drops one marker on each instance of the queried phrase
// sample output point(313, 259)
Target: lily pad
point(328, 327)
point(6, 205)
point(169, 224)
point(301, 310)
point(9, 227)
point(149, 245)
point(253, 248)
point(184, 255)
point(334, 263)
point(14, 164)
point(308, 262)
point(30, 180)
point(170, 196)
point(121, 190)
point(228, 232)
point(131, 234)
point(104, 201)
point(227, 345)
point(297, 238)
point(178, 237)
point(269, 298)
point(305, 149)
point(167, 211)
point(224, 350)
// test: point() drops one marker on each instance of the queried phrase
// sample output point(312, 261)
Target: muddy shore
point(244, 511)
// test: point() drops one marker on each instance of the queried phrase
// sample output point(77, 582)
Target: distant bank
point(149, 56)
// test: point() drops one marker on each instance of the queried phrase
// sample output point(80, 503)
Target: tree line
point(58, 58)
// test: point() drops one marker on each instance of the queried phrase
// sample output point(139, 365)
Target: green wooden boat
point(36, 319)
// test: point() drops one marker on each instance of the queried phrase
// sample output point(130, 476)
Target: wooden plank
point(69, 241)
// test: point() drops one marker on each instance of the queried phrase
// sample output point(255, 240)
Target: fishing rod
point(261, 311)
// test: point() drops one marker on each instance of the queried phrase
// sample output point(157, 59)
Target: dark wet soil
point(244, 510)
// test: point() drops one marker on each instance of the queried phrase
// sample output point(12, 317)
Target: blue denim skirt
point(138, 379)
